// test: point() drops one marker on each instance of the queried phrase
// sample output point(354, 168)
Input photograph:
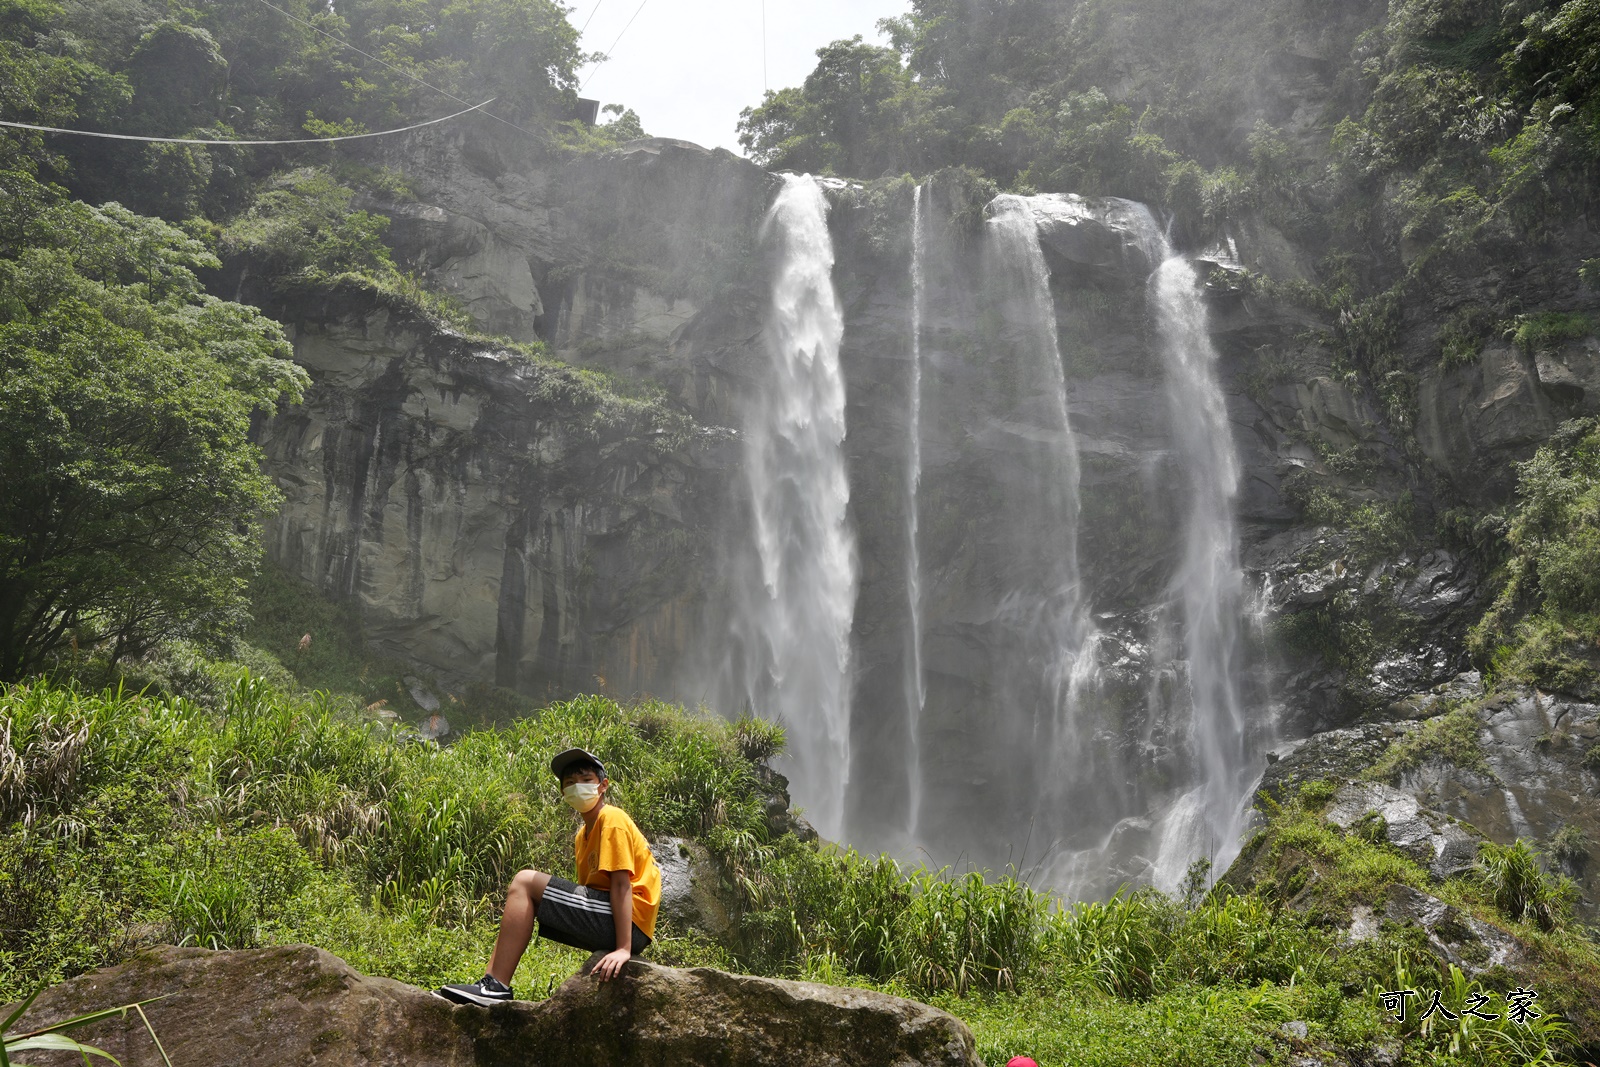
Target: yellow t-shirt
point(617, 845)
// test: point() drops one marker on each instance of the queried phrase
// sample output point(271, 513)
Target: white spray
point(800, 617)
point(1210, 582)
point(916, 684)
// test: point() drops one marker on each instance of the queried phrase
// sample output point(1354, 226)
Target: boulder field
point(295, 1004)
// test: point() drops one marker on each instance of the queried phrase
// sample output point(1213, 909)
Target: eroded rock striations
point(496, 518)
point(300, 1005)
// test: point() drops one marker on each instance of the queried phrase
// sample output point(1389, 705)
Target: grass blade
point(164, 1057)
point(94, 1016)
point(59, 1043)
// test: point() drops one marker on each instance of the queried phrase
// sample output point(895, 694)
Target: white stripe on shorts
point(577, 900)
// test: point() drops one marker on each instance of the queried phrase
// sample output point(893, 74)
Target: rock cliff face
point(497, 519)
point(497, 523)
point(299, 1005)
point(504, 522)
point(1526, 765)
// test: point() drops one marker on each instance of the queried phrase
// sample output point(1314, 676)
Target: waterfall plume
point(916, 683)
point(1209, 583)
point(796, 616)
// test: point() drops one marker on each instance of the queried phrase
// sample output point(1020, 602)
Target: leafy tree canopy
point(1487, 112)
point(240, 69)
point(133, 498)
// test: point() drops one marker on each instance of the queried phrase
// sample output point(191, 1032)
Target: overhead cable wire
point(590, 19)
point(614, 44)
point(341, 42)
point(220, 141)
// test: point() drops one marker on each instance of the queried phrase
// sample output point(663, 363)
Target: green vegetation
point(1451, 736)
point(1544, 624)
point(54, 1037)
point(1520, 888)
point(239, 69)
point(269, 817)
point(1474, 110)
point(133, 499)
point(1462, 337)
point(1548, 329)
point(241, 814)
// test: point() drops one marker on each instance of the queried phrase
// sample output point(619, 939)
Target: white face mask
point(581, 796)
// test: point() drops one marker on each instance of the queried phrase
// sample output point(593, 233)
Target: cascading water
point(1049, 635)
point(916, 684)
point(1088, 750)
point(797, 617)
point(1209, 582)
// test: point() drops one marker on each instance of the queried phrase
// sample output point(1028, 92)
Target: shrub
point(302, 227)
point(1547, 329)
point(1119, 945)
point(1519, 887)
point(1452, 737)
point(1570, 845)
point(758, 740)
point(1545, 619)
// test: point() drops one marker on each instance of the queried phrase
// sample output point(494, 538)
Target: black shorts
point(580, 916)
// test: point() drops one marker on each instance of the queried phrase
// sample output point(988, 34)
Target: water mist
point(1042, 608)
point(916, 683)
point(1209, 583)
point(797, 617)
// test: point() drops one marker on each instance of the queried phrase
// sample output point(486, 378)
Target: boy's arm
point(610, 965)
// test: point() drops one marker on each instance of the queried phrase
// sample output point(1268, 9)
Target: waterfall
point(916, 684)
point(1209, 583)
point(797, 617)
point(1049, 635)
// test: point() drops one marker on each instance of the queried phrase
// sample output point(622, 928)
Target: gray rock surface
point(485, 519)
point(1535, 777)
point(299, 1005)
point(1343, 753)
point(1475, 420)
point(691, 894)
point(1453, 935)
point(1101, 233)
point(1432, 839)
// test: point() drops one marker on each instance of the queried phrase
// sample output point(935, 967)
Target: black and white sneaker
point(486, 990)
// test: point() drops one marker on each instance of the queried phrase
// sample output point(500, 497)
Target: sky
point(688, 67)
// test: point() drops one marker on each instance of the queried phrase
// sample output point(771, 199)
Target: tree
point(859, 113)
point(130, 496)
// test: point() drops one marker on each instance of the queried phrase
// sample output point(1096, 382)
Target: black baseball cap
point(564, 762)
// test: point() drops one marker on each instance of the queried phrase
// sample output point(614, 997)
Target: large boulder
point(1108, 235)
point(299, 1005)
point(691, 890)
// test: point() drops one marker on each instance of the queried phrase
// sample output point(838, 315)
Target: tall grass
point(1519, 886)
point(170, 820)
point(261, 816)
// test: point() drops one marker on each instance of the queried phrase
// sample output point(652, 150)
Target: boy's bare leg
point(516, 924)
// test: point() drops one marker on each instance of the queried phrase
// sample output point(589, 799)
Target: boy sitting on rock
point(613, 906)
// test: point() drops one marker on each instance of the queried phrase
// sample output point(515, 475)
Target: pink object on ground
point(1021, 1061)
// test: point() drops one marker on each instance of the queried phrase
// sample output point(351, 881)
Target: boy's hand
point(610, 964)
